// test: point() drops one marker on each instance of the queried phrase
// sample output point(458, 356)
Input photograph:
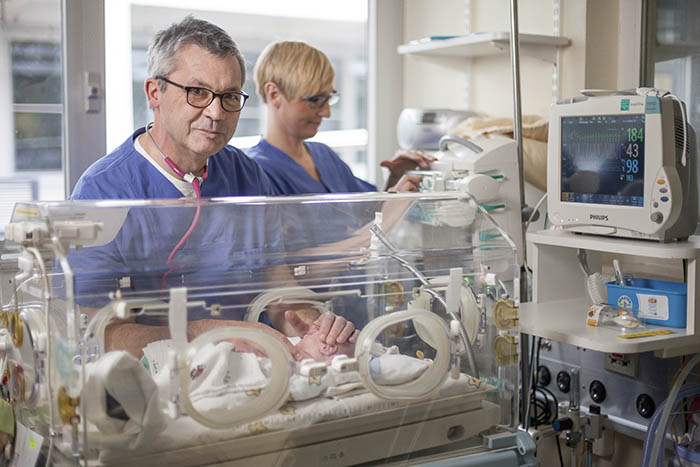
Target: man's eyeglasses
point(319, 100)
point(201, 97)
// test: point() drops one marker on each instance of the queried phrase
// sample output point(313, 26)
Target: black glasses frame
point(214, 95)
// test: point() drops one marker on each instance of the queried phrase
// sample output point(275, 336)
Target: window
point(31, 122)
point(673, 55)
point(337, 28)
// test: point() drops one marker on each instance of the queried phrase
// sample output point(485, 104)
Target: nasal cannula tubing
point(188, 177)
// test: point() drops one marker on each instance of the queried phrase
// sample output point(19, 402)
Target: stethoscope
point(188, 177)
point(196, 184)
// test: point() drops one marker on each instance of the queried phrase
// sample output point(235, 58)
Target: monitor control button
point(657, 217)
point(664, 198)
point(664, 190)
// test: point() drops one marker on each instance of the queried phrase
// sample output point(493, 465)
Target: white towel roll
point(133, 416)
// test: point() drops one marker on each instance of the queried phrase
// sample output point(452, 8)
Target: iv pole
point(517, 136)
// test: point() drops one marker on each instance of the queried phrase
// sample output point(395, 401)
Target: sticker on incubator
point(653, 307)
point(624, 104)
point(27, 446)
point(624, 302)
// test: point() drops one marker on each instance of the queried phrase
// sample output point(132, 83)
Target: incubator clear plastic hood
point(147, 332)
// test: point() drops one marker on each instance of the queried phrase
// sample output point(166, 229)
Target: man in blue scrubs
point(195, 88)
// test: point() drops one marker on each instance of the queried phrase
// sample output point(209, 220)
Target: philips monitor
point(623, 165)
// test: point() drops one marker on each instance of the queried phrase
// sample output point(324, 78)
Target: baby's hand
point(314, 346)
point(333, 328)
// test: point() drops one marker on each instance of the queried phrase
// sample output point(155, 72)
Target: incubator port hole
point(455, 432)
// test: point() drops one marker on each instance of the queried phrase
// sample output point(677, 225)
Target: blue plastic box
point(662, 302)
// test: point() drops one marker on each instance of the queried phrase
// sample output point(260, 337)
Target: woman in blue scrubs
point(295, 80)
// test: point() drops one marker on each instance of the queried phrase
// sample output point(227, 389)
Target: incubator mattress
point(298, 423)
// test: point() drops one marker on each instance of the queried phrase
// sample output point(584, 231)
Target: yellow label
point(27, 212)
point(656, 332)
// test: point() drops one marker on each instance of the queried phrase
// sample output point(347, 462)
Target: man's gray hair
point(190, 31)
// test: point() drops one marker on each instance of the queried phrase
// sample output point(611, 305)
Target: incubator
point(140, 332)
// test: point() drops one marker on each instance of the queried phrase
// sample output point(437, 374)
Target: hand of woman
point(403, 161)
point(407, 183)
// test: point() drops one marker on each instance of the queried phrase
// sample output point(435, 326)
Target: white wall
point(484, 84)
point(480, 84)
point(428, 82)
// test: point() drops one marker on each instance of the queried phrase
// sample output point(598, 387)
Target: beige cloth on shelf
point(535, 134)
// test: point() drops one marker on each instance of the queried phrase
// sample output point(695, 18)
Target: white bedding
point(184, 432)
point(223, 380)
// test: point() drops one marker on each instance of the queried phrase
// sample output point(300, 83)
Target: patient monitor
point(623, 164)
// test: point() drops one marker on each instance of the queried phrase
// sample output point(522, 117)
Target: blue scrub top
point(304, 227)
point(126, 174)
point(327, 223)
point(290, 178)
point(230, 244)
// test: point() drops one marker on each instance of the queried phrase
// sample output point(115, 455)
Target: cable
point(548, 415)
point(534, 210)
point(381, 236)
point(561, 459)
point(658, 438)
point(49, 357)
point(686, 391)
point(685, 129)
point(526, 421)
point(527, 225)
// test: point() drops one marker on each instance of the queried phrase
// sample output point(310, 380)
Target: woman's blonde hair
point(295, 67)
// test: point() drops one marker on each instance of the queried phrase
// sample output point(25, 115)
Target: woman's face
point(300, 118)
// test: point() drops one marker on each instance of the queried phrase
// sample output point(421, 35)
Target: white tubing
point(661, 428)
point(431, 329)
point(271, 397)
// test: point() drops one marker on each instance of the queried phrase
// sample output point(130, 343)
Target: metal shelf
point(482, 44)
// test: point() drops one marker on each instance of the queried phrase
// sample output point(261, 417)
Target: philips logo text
point(599, 217)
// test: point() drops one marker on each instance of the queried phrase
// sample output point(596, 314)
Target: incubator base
point(345, 441)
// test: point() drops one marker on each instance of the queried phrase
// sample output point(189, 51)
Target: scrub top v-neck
point(290, 178)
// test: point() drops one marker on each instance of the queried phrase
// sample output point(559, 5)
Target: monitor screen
point(602, 159)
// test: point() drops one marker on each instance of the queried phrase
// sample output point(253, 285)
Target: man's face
point(191, 131)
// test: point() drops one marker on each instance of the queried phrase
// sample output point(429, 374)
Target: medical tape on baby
point(271, 397)
point(433, 331)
